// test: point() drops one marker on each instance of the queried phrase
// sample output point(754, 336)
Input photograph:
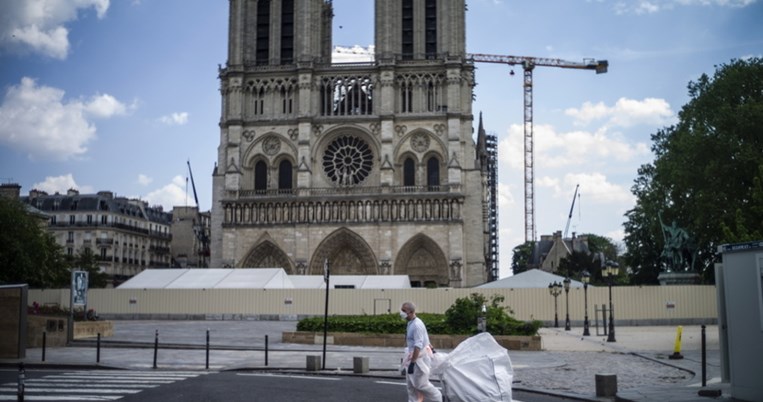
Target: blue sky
point(118, 95)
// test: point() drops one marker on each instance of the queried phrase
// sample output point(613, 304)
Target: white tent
point(352, 281)
point(210, 278)
point(534, 278)
point(256, 278)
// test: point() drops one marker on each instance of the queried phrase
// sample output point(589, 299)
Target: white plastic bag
point(478, 369)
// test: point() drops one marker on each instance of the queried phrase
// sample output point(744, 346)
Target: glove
point(410, 367)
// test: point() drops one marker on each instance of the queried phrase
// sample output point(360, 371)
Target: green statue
point(679, 249)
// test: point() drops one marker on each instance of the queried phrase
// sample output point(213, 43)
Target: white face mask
point(403, 315)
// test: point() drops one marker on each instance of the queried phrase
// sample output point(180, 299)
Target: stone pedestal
point(313, 363)
point(360, 365)
point(606, 385)
point(678, 278)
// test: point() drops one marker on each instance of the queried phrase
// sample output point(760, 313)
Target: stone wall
point(13, 301)
point(55, 328)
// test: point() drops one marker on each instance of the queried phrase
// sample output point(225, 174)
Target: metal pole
point(604, 318)
point(611, 337)
point(44, 341)
point(327, 275)
point(207, 365)
point(586, 324)
point(567, 326)
point(22, 378)
point(156, 345)
point(556, 315)
point(98, 348)
point(704, 358)
point(266, 350)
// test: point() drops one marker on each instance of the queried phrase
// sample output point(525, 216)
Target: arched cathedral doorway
point(424, 263)
point(347, 254)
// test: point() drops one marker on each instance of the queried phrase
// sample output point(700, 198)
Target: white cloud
point(37, 120)
point(352, 54)
point(61, 184)
point(640, 7)
point(625, 113)
point(169, 196)
point(598, 189)
point(39, 25)
point(144, 180)
point(175, 119)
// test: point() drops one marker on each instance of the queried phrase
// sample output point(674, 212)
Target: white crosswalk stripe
point(96, 385)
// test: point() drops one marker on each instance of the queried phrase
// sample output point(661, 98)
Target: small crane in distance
point(569, 218)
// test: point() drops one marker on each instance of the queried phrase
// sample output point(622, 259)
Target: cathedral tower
point(370, 166)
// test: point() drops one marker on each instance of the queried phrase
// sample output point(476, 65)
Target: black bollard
point(266, 350)
point(98, 348)
point(44, 341)
point(704, 359)
point(22, 378)
point(156, 345)
point(207, 349)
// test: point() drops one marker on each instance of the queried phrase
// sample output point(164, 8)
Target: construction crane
point(569, 218)
point(199, 228)
point(528, 64)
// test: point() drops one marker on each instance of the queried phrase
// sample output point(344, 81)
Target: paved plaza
point(567, 365)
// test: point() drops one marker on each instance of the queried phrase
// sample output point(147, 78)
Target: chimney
point(10, 190)
point(72, 192)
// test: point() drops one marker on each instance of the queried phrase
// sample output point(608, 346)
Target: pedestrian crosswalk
point(92, 385)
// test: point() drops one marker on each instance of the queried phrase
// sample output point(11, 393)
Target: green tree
point(704, 173)
point(521, 257)
point(85, 260)
point(28, 254)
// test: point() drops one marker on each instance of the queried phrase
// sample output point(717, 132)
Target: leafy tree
point(522, 256)
point(28, 254)
point(706, 173)
point(85, 260)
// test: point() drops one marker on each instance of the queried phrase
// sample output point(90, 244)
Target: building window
point(409, 172)
point(348, 161)
point(433, 172)
point(72, 219)
point(90, 219)
point(53, 220)
point(69, 251)
point(430, 28)
point(260, 176)
point(70, 237)
point(263, 32)
point(287, 31)
point(284, 175)
point(407, 32)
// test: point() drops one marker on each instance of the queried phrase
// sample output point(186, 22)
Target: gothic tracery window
point(348, 160)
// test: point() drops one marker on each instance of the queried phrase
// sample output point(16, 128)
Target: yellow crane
point(528, 64)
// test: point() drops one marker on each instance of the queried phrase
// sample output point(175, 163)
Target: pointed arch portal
point(423, 261)
point(347, 254)
point(268, 255)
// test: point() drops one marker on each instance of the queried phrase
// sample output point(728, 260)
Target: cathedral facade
point(370, 167)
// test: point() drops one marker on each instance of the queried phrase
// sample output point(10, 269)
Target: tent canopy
point(534, 278)
point(256, 278)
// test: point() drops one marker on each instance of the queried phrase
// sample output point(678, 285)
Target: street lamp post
point(555, 289)
point(567, 303)
point(609, 273)
point(586, 278)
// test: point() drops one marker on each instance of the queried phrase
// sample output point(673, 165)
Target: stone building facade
point(126, 236)
point(371, 167)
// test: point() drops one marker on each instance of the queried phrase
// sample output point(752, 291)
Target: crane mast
point(199, 228)
point(528, 64)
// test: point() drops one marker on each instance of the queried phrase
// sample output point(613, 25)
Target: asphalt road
point(229, 386)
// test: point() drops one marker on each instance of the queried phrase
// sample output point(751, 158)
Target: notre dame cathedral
point(371, 166)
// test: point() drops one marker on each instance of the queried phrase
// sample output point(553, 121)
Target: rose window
point(347, 161)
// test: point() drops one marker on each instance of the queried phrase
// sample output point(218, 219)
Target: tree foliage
point(521, 257)
point(28, 254)
point(706, 174)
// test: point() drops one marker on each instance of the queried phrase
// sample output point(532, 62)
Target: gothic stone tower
point(371, 166)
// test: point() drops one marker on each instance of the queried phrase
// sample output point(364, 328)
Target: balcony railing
point(343, 191)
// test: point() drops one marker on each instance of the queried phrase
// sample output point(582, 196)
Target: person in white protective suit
point(418, 358)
